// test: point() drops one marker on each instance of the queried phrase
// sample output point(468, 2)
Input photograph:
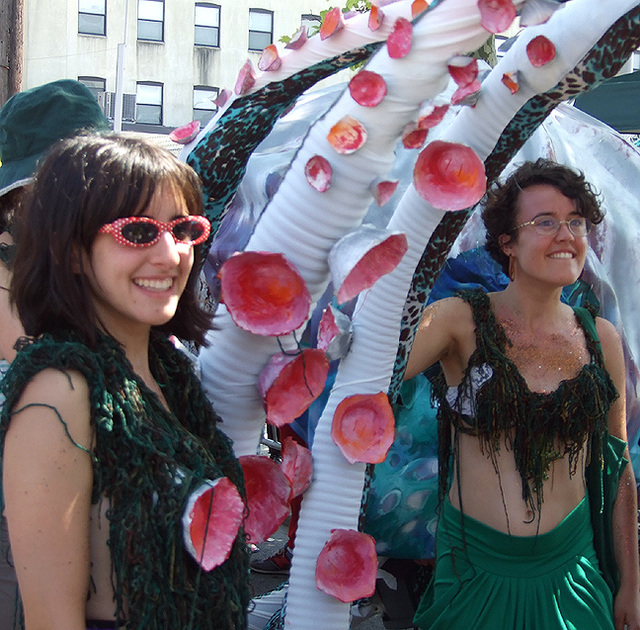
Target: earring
point(512, 267)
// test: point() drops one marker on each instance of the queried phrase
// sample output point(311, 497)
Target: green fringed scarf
point(147, 461)
point(532, 424)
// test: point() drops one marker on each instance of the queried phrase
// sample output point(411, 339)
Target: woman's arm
point(47, 483)
point(625, 510)
point(10, 326)
point(444, 323)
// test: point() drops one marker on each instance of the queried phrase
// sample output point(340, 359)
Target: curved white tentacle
point(368, 367)
point(304, 224)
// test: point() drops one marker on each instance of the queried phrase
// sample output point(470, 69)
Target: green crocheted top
point(147, 461)
point(537, 428)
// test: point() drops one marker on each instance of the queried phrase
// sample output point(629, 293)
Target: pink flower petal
point(297, 465)
point(268, 491)
point(400, 39)
point(270, 60)
point(223, 96)
point(413, 137)
point(289, 385)
point(363, 427)
point(540, 51)
point(367, 88)
point(332, 23)
point(418, 7)
point(376, 17)
point(186, 133)
point(264, 293)
point(496, 16)
point(347, 565)
point(433, 118)
point(383, 191)
point(467, 95)
point(347, 135)
point(463, 70)
point(510, 79)
point(335, 333)
point(298, 40)
point(318, 172)
point(246, 78)
point(211, 522)
point(449, 176)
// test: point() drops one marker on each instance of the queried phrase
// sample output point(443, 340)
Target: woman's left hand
point(626, 608)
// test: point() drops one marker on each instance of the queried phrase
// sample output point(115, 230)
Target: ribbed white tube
point(333, 500)
point(304, 224)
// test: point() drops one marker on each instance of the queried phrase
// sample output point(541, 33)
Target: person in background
point(531, 397)
point(30, 122)
point(106, 432)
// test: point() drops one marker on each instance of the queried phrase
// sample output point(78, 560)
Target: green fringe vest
point(147, 461)
point(533, 424)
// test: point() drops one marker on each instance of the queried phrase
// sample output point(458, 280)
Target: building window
point(96, 85)
point(92, 17)
point(207, 25)
point(149, 103)
point(311, 23)
point(151, 20)
point(203, 106)
point(260, 28)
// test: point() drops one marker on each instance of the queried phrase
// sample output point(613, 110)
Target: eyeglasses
point(145, 232)
point(549, 226)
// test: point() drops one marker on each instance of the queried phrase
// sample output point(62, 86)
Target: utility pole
point(11, 38)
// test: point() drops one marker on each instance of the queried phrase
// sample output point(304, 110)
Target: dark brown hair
point(84, 183)
point(501, 202)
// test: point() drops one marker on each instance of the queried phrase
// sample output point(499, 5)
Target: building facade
point(175, 55)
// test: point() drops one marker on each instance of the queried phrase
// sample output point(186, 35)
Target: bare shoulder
point(450, 311)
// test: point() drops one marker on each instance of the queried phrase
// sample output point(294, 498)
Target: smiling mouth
point(562, 255)
point(154, 285)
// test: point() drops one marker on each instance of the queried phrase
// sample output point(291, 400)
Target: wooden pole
point(11, 48)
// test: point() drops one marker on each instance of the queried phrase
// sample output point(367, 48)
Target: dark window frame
point(258, 47)
point(147, 22)
point(90, 15)
point(205, 28)
point(160, 108)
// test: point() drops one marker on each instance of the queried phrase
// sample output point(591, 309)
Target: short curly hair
point(501, 201)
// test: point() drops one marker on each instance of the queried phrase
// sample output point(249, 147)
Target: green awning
point(615, 102)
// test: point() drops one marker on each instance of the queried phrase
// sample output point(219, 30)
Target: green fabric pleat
point(487, 579)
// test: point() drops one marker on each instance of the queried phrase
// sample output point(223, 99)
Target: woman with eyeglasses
point(106, 433)
point(538, 520)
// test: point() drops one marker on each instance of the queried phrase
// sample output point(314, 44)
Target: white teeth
point(562, 255)
point(156, 285)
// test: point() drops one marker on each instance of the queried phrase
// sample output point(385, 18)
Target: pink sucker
point(289, 384)
point(450, 176)
point(367, 88)
point(318, 172)
point(383, 190)
point(268, 491)
point(297, 465)
point(418, 7)
point(413, 137)
point(540, 51)
point(496, 16)
point(347, 135)
point(211, 522)
point(335, 333)
point(246, 78)
point(347, 566)
point(270, 60)
point(222, 98)
point(510, 79)
point(363, 427)
point(433, 118)
point(376, 17)
point(264, 293)
point(186, 133)
point(400, 39)
point(332, 23)
point(463, 70)
point(362, 257)
point(298, 40)
point(467, 95)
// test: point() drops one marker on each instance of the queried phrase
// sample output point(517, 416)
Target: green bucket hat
point(32, 121)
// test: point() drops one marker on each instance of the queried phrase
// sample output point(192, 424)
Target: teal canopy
point(615, 102)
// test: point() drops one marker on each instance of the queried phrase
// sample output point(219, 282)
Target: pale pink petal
point(223, 96)
point(400, 39)
point(367, 88)
point(433, 118)
point(347, 566)
point(467, 95)
point(496, 16)
point(376, 17)
point(186, 133)
point(347, 135)
point(297, 465)
point(332, 23)
point(298, 40)
point(463, 70)
point(413, 137)
point(382, 191)
point(246, 78)
point(335, 333)
point(318, 172)
point(270, 60)
point(540, 51)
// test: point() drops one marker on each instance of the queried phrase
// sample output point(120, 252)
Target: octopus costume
point(146, 463)
point(488, 579)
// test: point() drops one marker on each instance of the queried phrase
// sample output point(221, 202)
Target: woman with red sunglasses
point(106, 432)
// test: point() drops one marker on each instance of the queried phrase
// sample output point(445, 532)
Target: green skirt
point(487, 579)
